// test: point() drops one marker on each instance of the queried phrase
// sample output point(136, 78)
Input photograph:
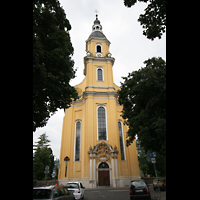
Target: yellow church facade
point(93, 144)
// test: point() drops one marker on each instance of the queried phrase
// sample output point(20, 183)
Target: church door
point(103, 174)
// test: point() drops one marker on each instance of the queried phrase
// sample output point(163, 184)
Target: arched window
point(77, 141)
point(103, 165)
point(98, 49)
point(99, 74)
point(101, 123)
point(121, 140)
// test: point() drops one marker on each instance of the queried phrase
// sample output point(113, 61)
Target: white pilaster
point(113, 170)
point(90, 168)
point(94, 169)
point(116, 167)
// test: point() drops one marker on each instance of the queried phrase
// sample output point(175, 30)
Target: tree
point(43, 156)
point(142, 158)
point(154, 18)
point(147, 167)
point(52, 62)
point(143, 95)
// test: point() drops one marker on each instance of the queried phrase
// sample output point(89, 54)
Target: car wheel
point(82, 197)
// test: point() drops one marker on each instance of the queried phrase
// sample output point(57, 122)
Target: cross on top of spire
point(96, 11)
point(97, 25)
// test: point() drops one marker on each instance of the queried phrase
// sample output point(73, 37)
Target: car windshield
point(41, 193)
point(72, 185)
point(138, 183)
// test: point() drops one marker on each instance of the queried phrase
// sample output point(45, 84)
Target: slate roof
point(97, 34)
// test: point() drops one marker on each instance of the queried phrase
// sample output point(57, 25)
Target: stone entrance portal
point(106, 170)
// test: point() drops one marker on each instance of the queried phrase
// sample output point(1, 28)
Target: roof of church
point(97, 34)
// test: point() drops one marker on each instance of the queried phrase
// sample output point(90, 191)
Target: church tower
point(93, 149)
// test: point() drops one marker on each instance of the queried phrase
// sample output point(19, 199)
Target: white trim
point(90, 168)
point(102, 105)
point(78, 120)
point(100, 67)
point(98, 44)
point(94, 160)
point(113, 169)
point(99, 54)
point(122, 138)
point(117, 173)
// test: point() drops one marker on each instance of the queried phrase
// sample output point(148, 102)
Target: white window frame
point(98, 44)
point(102, 105)
point(122, 138)
point(99, 67)
point(99, 54)
point(78, 120)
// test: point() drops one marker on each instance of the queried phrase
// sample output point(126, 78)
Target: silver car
point(76, 188)
point(52, 193)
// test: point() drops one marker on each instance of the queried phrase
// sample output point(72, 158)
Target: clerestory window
point(101, 123)
point(121, 140)
point(77, 141)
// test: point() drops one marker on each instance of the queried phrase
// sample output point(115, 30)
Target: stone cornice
point(98, 38)
point(94, 94)
point(111, 59)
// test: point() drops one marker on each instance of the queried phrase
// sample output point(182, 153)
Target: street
point(111, 193)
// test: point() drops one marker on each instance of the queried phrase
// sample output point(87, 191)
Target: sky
point(129, 47)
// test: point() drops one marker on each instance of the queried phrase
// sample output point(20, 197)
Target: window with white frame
point(77, 141)
point(98, 48)
point(121, 140)
point(101, 123)
point(99, 74)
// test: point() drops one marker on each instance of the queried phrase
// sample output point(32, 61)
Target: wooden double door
point(104, 178)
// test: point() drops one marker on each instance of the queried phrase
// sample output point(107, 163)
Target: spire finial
point(96, 11)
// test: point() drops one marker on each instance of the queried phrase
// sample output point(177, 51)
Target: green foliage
point(154, 18)
point(143, 95)
point(43, 156)
point(147, 167)
point(52, 63)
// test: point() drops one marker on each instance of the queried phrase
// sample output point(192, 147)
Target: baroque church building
point(93, 145)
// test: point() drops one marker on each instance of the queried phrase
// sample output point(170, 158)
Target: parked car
point(160, 182)
point(52, 193)
point(139, 190)
point(76, 187)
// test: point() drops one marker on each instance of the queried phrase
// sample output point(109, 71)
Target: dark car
point(139, 190)
point(52, 193)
